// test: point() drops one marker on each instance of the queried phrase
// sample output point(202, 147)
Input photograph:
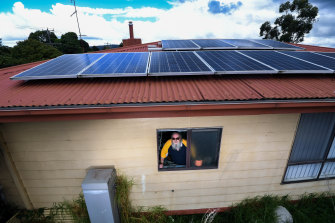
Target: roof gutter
point(27, 114)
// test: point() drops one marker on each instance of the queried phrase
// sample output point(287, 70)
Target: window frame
point(322, 161)
point(189, 141)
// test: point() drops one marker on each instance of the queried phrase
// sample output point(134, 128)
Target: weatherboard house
point(257, 115)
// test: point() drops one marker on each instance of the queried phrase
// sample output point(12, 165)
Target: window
point(313, 152)
point(196, 148)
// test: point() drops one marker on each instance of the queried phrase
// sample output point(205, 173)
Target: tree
point(84, 45)
point(44, 36)
point(6, 58)
point(94, 48)
point(70, 43)
point(31, 50)
point(291, 27)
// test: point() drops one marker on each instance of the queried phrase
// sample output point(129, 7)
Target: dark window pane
point(312, 137)
point(205, 147)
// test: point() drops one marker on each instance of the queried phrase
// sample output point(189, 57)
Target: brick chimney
point(131, 40)
point(131, 30)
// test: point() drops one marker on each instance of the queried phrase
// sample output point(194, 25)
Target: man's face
point(176, 141)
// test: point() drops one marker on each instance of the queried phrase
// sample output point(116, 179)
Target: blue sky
point(45, 5)
point(107, 21)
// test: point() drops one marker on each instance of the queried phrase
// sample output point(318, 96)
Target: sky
point(103, 22)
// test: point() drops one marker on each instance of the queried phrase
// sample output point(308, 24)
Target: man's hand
point(160, 165)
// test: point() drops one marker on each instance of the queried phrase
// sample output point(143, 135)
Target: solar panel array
point(186, 62)
point(226, 44)
point(65, 66)
point(171, 63)
point(118, 64)
point(284, 63)
point(212, 44)
point(229, 61)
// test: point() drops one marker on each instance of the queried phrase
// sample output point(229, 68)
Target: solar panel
point(179, 45)
point(327, 54)
point(177, 63)
point(119, 64)
point(213, 44)
point(231, 62)
point(65, 66)
point(276, 44)
point(245, 44)
point(321, 60)
point(284, 63)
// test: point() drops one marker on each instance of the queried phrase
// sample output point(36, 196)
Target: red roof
point(147, 91)
point(133, 48)
point(315, 48)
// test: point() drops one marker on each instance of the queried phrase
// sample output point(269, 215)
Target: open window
point(313, 152)
point(196, 148)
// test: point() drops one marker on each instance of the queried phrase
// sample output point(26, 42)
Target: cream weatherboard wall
point(52, 159)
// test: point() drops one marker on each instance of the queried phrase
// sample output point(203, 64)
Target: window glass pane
point(302, 172)
point(312, 137)
point(204, 147)
point(331, 153)
point(328, 170)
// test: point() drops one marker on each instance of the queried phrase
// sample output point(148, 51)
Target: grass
point(130, 214)
point(310, 208)
point(76, 209)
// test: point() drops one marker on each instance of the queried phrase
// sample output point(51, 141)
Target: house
point(263, 134)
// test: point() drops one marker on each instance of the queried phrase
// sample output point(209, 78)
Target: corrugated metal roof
point(101, 91)
point(132, 90)
point(133, 48)
point(314, 48)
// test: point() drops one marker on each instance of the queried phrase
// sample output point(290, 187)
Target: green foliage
point(70, 43)
point(258, 209)
point(154, 214)
point(123, 187)
point(76, 209)
point(44, 36)
point(36, 216)
point(84, 45)
point(297, 20)
point(94, 48)
point(129, 214)
point(312, 208)
point(32, 50)
point(6, 58)
point(59, 212)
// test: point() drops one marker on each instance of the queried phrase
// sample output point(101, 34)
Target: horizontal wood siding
point(52, 158)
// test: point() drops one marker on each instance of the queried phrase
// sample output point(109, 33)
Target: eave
point(158, 110)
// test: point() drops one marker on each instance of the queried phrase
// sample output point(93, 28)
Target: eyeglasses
point(176, 138)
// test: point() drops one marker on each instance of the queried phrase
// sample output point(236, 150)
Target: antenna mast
point(75, 12)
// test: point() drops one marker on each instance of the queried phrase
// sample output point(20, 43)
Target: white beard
point(176, 146)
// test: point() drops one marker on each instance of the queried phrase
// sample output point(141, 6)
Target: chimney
point(131, 40)
point(131, 31)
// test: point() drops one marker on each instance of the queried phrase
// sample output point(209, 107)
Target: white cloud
point(190, 19)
